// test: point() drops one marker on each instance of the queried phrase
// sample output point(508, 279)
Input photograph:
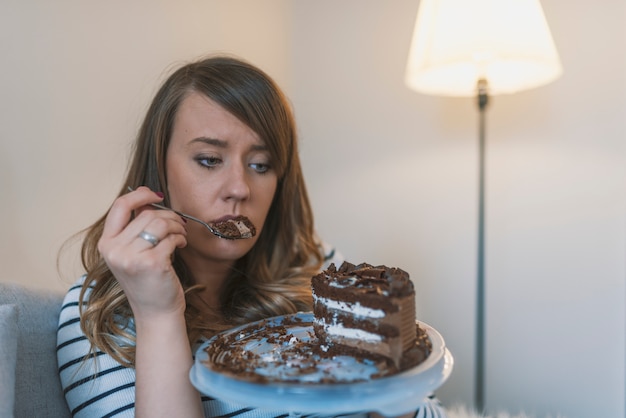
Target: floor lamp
point(480, 48)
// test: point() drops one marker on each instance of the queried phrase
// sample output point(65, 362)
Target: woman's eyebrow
point(224, 144)
point(210, 141)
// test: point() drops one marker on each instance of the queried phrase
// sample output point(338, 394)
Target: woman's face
point(217, 168)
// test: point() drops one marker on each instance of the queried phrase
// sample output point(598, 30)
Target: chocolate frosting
point(390, 281)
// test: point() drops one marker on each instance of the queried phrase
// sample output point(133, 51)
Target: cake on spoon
point(235, 228)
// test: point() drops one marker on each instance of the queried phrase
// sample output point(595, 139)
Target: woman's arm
point(163, 361)
point(145, 273)
point(94, 386)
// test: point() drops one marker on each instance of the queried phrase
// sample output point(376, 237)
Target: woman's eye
point(260, 168)
point(208, 162)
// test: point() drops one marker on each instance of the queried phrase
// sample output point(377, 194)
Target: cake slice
point(365, 310)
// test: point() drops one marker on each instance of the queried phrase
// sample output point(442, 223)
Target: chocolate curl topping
point(378, 279)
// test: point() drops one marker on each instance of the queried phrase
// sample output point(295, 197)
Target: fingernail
point(160, 194)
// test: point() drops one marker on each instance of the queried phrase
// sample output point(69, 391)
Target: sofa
point(29, 380)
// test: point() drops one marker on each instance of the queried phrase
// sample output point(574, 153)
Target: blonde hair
point(274, 277)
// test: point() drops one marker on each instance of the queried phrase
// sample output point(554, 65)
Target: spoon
point(237, 228)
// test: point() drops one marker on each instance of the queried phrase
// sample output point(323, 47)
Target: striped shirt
point(99, 386)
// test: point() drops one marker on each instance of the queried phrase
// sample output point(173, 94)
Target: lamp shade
point(457, 42)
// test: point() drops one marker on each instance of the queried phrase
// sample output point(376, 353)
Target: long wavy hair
point(273, 278)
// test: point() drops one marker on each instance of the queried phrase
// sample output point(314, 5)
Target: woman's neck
point(211, 275)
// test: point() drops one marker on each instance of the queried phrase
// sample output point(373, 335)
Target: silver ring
point(149, 237)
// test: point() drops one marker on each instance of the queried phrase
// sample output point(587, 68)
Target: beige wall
point(392, 173)
point(77, 77)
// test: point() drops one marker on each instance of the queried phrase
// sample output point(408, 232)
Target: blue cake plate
point(285, 380)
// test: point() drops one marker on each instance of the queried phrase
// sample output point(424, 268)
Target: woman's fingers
point(138, 251)
point(155, 224)
point(118, 221)
point(123, 239)
point(122, 209)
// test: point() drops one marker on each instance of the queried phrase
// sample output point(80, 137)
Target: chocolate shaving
point(227, 354)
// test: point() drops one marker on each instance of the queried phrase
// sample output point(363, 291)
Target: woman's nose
point(236, 184)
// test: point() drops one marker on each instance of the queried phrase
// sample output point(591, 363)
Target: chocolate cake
point(362, 327)
point(235, 228)
point(367, 310)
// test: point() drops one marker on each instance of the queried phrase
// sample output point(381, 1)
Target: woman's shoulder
point(70, 315)
point(71, 299)
point(70, 307)
point(75, 301)
point(94, 383)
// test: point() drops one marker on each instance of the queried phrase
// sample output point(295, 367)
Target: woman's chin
point(219, 248)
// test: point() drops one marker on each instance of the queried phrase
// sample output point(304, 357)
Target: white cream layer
point(353, 308)
point(351, 333)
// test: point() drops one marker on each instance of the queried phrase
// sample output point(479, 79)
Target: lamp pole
point(483, 99)
point(435, 66)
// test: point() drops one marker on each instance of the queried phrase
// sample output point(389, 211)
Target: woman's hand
point(144, 270)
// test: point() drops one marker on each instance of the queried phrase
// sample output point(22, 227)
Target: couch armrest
point(8, 358)
point(38, 391)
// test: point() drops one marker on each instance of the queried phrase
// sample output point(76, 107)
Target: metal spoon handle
point(192, 218)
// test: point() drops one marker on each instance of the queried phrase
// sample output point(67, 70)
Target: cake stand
point(280, 380)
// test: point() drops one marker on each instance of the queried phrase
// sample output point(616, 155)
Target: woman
point(218, 141)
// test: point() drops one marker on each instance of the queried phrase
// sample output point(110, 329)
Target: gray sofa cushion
point(8, 358)
point(38, 390)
